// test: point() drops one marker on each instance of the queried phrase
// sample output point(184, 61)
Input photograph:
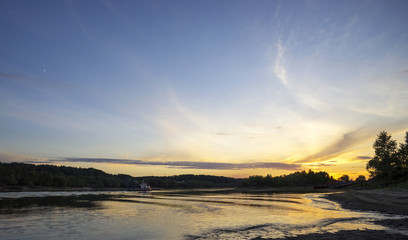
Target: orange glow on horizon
point(146, 170)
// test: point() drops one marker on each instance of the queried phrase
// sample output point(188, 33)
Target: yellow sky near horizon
point(337, 162)
point(228, 89)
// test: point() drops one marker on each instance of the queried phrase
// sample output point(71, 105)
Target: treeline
point(295, 179)
point(191, 181)
point(390, 162)
point(22, 174)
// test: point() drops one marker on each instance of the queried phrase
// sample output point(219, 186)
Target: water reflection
point(173, 215)
point(26, 204)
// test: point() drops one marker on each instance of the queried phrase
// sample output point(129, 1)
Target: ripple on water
point(169, 215)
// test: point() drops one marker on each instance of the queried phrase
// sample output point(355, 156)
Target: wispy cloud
point(223, 134)
point(12, 157)
point(38, 83)
point(183, 164)
point(11, 76)
point(363, 157)
point(278, 67)
point(76, 17)
point(346, 143)
point(353, 139)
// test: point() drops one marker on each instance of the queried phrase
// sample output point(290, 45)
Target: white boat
point(142, 187)
point(145, 187)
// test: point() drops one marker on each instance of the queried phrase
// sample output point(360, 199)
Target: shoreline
point(391, 201)
point(56, 189)
point(388, 201)
point(180, 190)
point(344, 234)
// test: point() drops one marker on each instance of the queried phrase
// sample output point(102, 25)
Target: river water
point(173, 215)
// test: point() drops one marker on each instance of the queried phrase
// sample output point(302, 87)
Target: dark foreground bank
point(378, 200)
point(346, 234)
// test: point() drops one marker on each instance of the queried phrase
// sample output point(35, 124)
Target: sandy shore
point(379, 200)
point(341, 235)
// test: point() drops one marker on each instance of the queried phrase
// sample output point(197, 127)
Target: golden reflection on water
point(279, 214)
point(172, 215)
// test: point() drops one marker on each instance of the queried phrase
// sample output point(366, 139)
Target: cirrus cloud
point(183, 164)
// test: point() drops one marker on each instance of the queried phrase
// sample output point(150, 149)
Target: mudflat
point(345, 234)
point(393, 201)
point(390, 201)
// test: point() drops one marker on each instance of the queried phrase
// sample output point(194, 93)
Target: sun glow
point(295, 86)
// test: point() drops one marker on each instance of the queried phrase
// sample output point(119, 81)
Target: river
point(173, 215)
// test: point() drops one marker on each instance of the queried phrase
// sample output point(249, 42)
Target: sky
point(229, 88)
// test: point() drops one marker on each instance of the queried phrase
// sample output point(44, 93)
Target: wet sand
point(378, 200)
point(341, 235)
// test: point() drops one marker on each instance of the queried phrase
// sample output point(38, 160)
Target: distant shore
point(179, 190)
point(55, 189)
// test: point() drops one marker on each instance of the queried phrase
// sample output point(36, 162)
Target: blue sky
point(230, 88)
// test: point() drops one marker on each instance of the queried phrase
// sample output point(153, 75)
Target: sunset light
point(232, 89)
point(204, 119)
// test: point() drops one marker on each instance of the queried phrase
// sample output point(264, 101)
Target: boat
point(143, 187)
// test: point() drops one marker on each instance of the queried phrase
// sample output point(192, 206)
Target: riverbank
point(389, 201)
point(345, 234)
point(392, 201)
point(54, 189)
point(178, 190)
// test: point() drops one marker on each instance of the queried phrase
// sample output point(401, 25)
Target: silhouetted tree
point(403, 153)
point(381, 166)
point(22, 174)
point(345, 178)
point(60, 181)
point(389, 162)
point(361, 178)
point(296, 179)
